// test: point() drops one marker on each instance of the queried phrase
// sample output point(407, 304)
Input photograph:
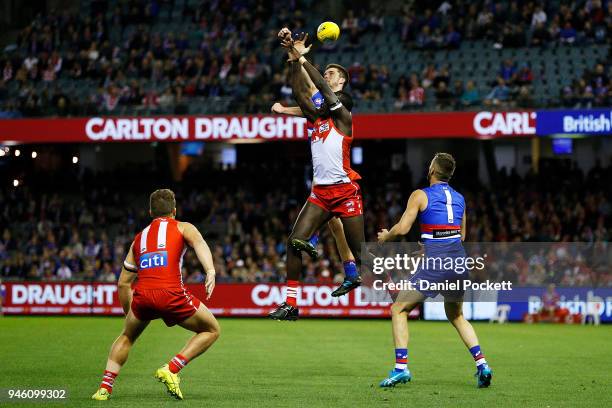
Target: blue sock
point(314, 240)
point(350, 269)
point(479, 358)
point(401, 359)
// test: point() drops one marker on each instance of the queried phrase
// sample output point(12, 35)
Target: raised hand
point(296, 48)
point(300, 44)
point(284, 33)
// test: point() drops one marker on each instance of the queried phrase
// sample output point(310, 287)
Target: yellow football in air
point(328, 31)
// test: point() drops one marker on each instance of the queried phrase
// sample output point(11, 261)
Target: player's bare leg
point(337, 230)
point(310, 219)
point(207, 330)
point(355, 236)
point(454, 314)
point(406, 301)
point(118, 354)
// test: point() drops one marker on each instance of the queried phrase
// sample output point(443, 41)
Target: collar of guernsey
point(317, 101)
point(441, 220)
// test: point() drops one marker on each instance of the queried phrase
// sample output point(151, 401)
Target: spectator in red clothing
point(550, 300)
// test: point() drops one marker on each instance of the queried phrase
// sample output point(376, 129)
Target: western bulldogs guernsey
point(441, 236)
point(441, 220)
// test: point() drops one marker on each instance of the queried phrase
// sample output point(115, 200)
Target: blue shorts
point(442, 265)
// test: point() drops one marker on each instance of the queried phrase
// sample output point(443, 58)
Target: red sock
point(108, 380)
point(292, 287)
point(179, 361)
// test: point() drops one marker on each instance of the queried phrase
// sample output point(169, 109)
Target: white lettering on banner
point(249, 128)
point(266, 295)
point(587, 123)
point(505, 123)
point(58, 294)
point(576, 304)
point(137, 129)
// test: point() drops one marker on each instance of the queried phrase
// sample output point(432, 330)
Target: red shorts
point(172, 305)
point(342, 200)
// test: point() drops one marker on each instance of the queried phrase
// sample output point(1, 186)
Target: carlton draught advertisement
point(227, 300)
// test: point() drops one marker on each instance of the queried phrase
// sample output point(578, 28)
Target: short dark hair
point(343, 72)
point(162, 202)
point(444, 166)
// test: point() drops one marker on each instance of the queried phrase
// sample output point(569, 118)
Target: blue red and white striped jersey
point(442, 218)
point(158, 252)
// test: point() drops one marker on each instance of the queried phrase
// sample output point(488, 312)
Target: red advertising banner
point(263, 127)
point(50, 298)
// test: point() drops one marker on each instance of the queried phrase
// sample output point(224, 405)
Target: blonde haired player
point(154, 262)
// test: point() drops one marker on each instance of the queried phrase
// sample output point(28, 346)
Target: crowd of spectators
point(83, 232)
point(592, 89)
point(504, 24)
point(511, 88)
point(124, 62)
point(156, 56)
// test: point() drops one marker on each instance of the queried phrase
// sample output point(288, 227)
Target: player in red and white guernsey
point(334, 224)
point(154, 262)
point(335, 191)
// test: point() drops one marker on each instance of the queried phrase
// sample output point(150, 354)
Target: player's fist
point(277, 108)
point(383, 235)
point(209, 283)
point(284, 33)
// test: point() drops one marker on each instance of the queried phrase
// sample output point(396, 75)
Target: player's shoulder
point(419, 196)
point(184, 226)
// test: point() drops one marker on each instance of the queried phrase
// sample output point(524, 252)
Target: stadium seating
point(554, 66)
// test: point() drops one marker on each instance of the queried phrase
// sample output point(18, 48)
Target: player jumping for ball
point(155, 259)
point(335, 191)
point(334, 224)
point(441, 212)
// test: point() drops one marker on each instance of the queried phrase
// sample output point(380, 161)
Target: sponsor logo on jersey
point(324, 127)
point(153, 260)
point(445, 233)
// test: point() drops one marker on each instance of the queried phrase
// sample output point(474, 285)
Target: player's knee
point(455, 318)
point(126, 339)
point(215, 333)
point(397, 308)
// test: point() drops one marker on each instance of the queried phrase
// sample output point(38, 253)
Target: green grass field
point(314, 363)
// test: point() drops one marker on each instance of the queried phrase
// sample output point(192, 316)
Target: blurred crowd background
point(144, 57)
point(83, 232)
point(215, 56)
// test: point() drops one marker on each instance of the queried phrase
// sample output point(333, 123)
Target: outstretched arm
point(417, 202)
point(196, 241)
point(127, 277)
point(301, 92)
point(287, 110)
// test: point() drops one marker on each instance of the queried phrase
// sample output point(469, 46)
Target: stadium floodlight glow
point(15, 183)
point(2, 153)
point(34, 154)
point(75, 159)
point(17, 152)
